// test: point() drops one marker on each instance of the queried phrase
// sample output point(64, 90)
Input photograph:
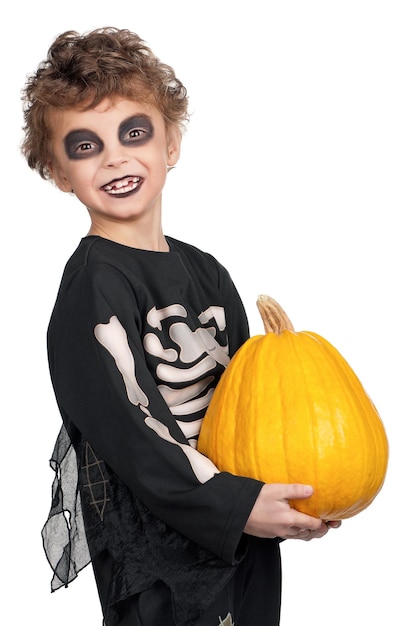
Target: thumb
point(299, 492)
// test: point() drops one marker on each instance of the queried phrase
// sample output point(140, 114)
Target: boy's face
point(114, 158)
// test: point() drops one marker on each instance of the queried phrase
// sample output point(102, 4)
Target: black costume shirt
point(137, 342)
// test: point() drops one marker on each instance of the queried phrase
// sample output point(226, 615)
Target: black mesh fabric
point(63, 534)
point(144, 549)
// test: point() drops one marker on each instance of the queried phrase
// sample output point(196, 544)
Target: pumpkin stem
point(274, 318)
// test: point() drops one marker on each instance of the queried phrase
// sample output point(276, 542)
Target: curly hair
point(81, 70)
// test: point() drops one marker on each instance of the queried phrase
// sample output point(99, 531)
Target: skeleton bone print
point(197, 350)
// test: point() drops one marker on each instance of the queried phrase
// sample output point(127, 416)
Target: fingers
point(273, 516)
point(308, 534)
point(301, 521)
point(300, 525)
point(334, 523)
point(304, 534)
point(307, 528)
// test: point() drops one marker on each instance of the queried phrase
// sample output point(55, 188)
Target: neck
point(127, 235)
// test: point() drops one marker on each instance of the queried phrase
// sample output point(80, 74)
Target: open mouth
point(123, 186)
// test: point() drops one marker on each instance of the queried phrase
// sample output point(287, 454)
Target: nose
point(115, 155)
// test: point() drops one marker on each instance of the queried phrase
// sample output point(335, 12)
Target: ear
point(58, 177)
point(174, 146)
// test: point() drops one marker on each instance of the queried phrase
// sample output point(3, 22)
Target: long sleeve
point(137, 343)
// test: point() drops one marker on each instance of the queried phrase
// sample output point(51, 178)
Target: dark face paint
point(136, 130)
point(84, 143)
point(81, 144)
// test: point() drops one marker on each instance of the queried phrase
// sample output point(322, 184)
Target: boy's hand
point(272, 515)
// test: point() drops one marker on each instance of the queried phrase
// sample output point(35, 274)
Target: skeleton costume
point(137, 342)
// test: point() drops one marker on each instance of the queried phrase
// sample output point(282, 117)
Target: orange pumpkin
point(289, 409)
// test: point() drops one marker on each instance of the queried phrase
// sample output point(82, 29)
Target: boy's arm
point(103, 386)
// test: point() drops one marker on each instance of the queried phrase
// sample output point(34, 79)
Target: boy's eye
point(137, 132)
point(136, 129)
point(80, 144)
point(84, 147)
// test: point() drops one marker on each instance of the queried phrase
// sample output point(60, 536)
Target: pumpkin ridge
point(302, 474)
point(347, 401)
point(370, 476)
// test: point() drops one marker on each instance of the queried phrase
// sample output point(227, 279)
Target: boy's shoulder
point(192, 252)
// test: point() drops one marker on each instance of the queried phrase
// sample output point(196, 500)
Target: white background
point(298, 173)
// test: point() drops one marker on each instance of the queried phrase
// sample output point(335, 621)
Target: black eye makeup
point(81, 144)
point(137, 129)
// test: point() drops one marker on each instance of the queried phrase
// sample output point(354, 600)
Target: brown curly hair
point(81, 70)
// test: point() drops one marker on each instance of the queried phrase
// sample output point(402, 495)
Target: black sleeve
point(103, 386)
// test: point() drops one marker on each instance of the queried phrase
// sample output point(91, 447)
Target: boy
point(142, 328)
